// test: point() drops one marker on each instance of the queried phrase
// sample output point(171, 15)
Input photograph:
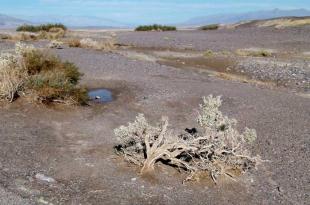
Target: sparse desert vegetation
point(156, 27)
point(209, 27)
point(254, 52)
point(68, 154)
point(219, 149)
point(74, 42)
point(44, 31)
point(44, 77)
point(208, 53)
point(42, 27)
point(89, 43)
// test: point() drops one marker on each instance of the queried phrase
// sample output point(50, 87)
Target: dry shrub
point(12, 76)
point(52, 34)
point(108, 44)
point(27, 36)
point(75, 43)
point(254, 52)
point(217, 150)
point(24, 36)
point(41, 75)
point(4, 36)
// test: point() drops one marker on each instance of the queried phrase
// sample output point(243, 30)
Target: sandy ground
point(74, 145)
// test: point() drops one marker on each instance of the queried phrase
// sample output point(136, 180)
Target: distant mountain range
point(10, 22)
point(78, 21)
point(234, 18)
point(99, 22)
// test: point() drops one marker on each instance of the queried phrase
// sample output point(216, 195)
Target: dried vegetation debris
point(219, 149)
point(107, 44)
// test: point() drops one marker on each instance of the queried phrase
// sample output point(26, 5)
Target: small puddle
point(100, 95)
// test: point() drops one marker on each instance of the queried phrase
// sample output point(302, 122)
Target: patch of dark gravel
point(293, 74)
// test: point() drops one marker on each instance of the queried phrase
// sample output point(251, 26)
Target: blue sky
point(142, 11)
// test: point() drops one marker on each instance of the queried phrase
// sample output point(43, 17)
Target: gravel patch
point(290, 39)
point(295, 75)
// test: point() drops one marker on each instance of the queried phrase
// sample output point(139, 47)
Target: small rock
point(279, 189)
point(133, 179)
point(41, 200)
point(97, 97)
point(42, 177)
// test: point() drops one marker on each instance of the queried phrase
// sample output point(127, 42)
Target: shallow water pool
point(100, 95)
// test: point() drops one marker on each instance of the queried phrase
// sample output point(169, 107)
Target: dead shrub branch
point(217, 149)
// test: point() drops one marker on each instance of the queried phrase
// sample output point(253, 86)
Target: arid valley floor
point(165, 73)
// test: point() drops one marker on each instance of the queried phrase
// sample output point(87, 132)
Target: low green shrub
point(156, 27)
point(42, 27)
point(209, 27)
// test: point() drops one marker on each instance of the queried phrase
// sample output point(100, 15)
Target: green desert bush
point(209, 27)
point(156, 27)
point(42, 27)
point(44, 31)
point(216, 147)
point(41, 75)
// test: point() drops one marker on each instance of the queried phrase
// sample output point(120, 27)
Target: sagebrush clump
point(33, 72)
point(217, 149)
point(106, 44)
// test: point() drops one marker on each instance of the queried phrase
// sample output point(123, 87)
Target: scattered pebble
point(44, 178)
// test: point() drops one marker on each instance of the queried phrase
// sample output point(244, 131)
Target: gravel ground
point(292, 74)
point(8, 198)
point(290, 39)
point(75, 146)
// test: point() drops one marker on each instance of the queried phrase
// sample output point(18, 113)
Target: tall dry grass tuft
point(12, 76)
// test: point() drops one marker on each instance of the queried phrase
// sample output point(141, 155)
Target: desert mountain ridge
point(7, 21)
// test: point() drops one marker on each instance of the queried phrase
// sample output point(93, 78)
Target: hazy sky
point(142, 11)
